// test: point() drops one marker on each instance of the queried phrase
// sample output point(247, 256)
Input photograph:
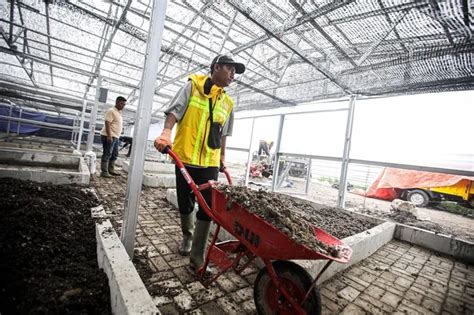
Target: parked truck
point(462, 192)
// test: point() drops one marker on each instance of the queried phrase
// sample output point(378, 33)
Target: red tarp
point(391, 178)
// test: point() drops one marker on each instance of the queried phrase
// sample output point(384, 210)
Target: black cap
point(226, 60)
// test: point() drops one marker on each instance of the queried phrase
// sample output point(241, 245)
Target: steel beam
point(12, 18)
point(390, 22)
point(64, 67)
point(433, 52)
point(22, 63)
point(323, 72)
point(361, 60)
point(386, 10)
point(46, 6)
point(440, 19)
point(323, 33)
point(251, 87)
point(229, 27)
point(105, 48)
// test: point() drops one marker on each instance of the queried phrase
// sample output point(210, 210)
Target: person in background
point(110, 134)
point(265, 146)
point(204, 115)
point(128, 141)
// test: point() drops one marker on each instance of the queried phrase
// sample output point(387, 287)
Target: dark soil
point(48, 252)
point(406, 217)
point(296, 218)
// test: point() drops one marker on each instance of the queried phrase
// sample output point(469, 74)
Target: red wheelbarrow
point(281, 287)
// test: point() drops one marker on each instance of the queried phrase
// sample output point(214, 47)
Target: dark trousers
point(186, 198)
point(263, 147)
point(110, 150)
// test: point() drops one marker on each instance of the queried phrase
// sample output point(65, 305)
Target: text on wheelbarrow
point(249, 235)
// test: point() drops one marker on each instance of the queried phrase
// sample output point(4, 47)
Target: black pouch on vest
point(215, 131)
point(215, 135)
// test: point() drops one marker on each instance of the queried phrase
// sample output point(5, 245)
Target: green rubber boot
point(198, 248)
point(104, 169)
point(187, 227)
point(111, 169)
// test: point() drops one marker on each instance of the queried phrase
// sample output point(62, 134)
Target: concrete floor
point(398, 279)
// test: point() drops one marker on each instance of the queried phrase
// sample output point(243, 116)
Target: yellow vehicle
point(462, 192)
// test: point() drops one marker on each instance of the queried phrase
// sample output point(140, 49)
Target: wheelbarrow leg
point(316, 280)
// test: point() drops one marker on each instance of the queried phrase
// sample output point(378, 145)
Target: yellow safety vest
point(190, 143)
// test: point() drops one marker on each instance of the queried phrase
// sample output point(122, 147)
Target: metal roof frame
point(295, 51)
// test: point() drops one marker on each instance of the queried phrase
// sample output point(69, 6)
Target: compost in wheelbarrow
point(267, 241)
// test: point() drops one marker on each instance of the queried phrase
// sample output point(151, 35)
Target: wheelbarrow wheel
point(295, 280)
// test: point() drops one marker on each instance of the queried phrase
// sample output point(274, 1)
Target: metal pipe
point(39, 123)
point(46, 5)
point(12, 13)
point(81, 127)
point(9, 119)
point(19, 122)
point(277, 152)
point(249, 156)
point(308, 177)
point(142, 124)
point(341, 196)
point(92, 121)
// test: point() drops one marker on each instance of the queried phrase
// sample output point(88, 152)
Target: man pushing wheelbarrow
point(281, 287)
point(204, 116)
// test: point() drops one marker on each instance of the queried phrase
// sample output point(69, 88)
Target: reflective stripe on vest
point(193, 129)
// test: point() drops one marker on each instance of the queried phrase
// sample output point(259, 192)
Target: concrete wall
point(152, 167)
point(156, 174)
point(363, 245)
point(460, 249)
point(35, 146)
point(128, 294)
point(43, 166)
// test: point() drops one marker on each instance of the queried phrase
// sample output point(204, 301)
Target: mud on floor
point(49, 260)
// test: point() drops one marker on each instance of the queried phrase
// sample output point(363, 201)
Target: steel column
point(46, 7)
point(308, 176)
point(249, 157)
point(19, 122)
point(12, 14)
point(81, 127)
point(90, 137)
point(9, 119)
point(142, 124)
point(277, 152)
point(341, 196)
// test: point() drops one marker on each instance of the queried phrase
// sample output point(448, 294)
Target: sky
point(434, 129)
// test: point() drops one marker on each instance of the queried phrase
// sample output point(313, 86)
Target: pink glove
point(164, 140)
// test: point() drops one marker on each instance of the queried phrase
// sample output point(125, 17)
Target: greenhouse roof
point(295, 51)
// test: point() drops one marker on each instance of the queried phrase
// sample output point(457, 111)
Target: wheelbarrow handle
point(196, 189)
